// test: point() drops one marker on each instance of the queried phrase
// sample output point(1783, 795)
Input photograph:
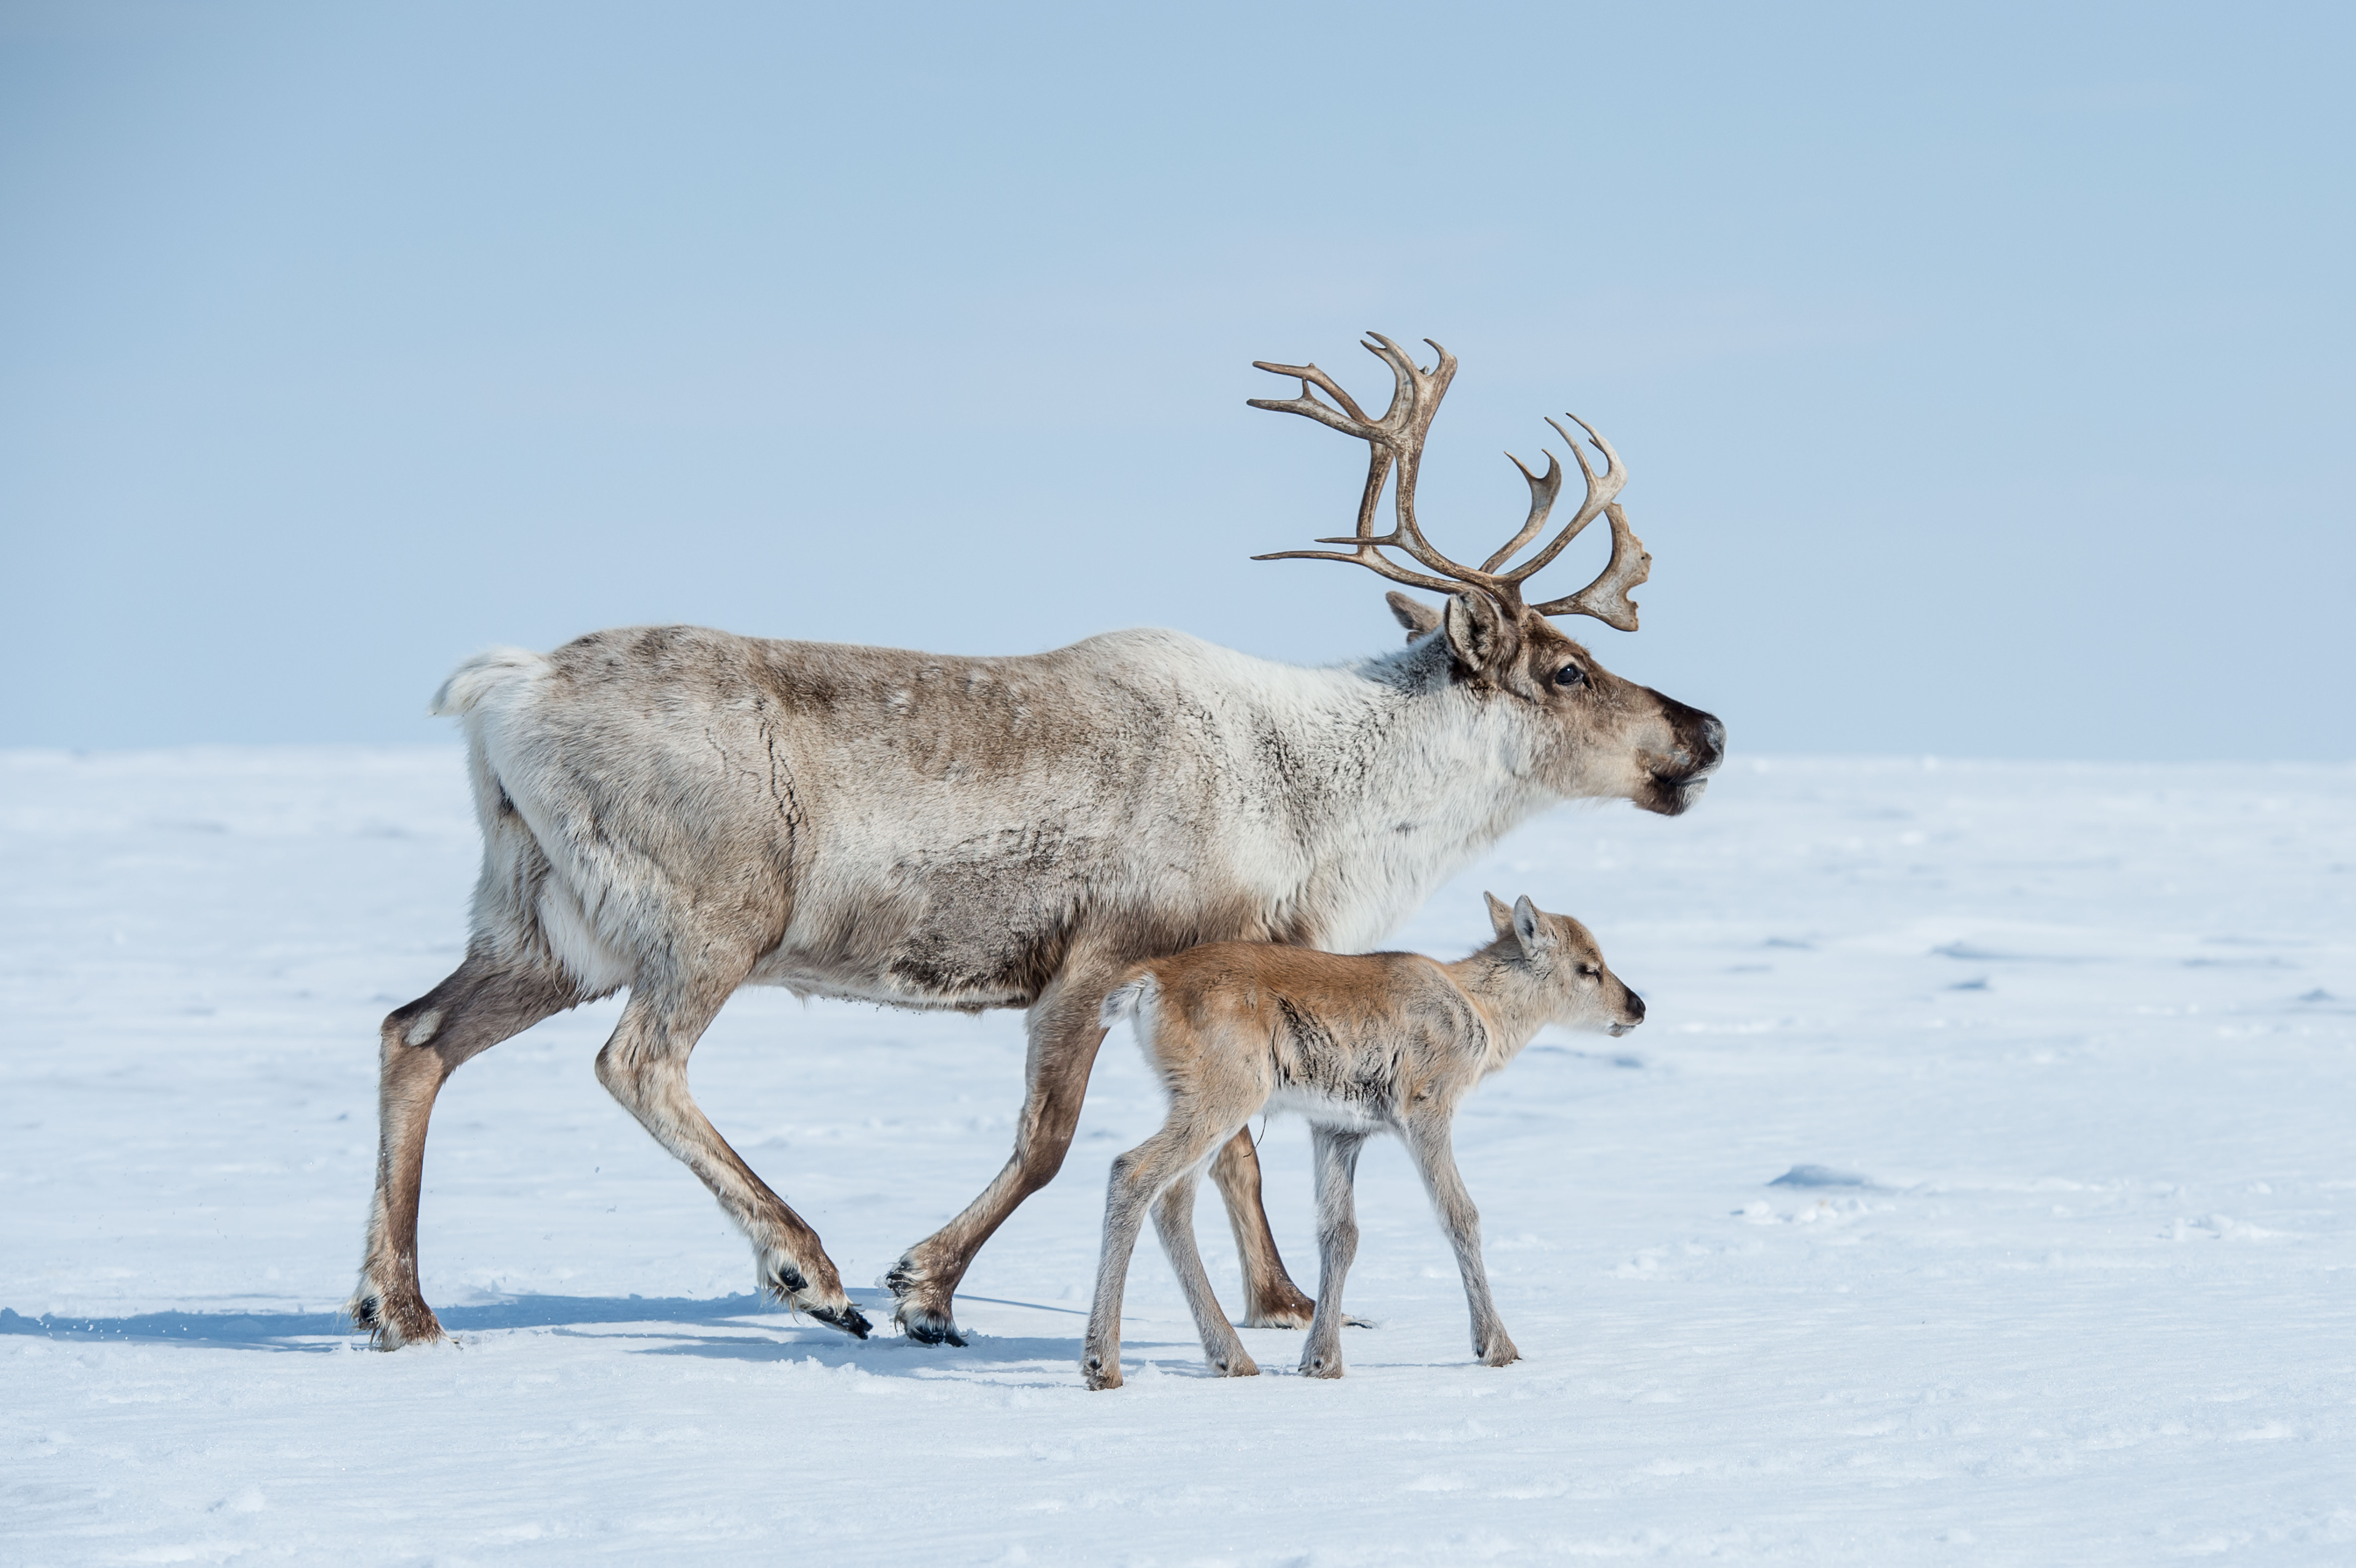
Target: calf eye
point(1570, 675)
point(1590, 971)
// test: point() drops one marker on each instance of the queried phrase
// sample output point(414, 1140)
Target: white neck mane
point(1408, 775)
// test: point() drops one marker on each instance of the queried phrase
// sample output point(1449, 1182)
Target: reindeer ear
point(1415, 615)
point(1534, 937)
point(1501, 914)
point(1482, 635)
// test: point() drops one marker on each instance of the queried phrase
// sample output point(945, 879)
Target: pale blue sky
point(1984, 372)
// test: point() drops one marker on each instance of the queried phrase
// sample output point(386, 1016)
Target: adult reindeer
point(683, 812)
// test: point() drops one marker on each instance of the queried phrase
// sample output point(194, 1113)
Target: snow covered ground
point(2064, 1059)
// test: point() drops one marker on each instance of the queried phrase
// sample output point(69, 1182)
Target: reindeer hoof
point(1099, 1374)
point(924, 1324)
point(847, 1318)
point(929, 1328)
point(1284, 1308)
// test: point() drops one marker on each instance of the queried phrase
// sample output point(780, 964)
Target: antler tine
point(1350, 419)
point(1602, 490)
point(1415, 398)
point(1544, 488)
point(1397, 437)
point(1311, 375)
point(1366, 556)
point(1631, 564)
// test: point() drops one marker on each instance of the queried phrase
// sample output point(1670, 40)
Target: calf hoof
point(1099, 1374)
point(920, 1318)
point(393, 1318)
point(1321, 1366)
point(1236, 1366)
point(1501, 1354)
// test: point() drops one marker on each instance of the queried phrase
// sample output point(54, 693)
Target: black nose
point(1635, 1006)
point(1701, 736)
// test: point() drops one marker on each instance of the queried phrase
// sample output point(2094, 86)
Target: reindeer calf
point(1382, 1042)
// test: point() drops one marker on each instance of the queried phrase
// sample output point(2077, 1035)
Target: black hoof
point(924, 1332)
point(850, 1320)
point(917, 1323)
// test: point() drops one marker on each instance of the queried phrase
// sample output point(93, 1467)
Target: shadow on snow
point(766, 1332)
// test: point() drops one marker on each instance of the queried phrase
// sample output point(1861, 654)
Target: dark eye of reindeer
point(1570, 675)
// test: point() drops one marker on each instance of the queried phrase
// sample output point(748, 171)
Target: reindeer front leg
point(1429, 1142)
point(1064, 1033)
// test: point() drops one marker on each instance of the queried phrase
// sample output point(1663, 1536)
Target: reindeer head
point(1599, 735)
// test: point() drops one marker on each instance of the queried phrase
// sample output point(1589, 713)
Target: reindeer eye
point(1590, 971)
point(1570, 675)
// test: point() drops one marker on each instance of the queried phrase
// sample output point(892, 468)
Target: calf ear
point(1480, 634)
point(1533, 936)
point(1501, 914)
point(1415, 615)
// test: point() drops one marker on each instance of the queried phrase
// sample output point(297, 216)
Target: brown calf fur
point(1378, 1042)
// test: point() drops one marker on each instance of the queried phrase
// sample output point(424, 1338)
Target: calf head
point(1562, 956)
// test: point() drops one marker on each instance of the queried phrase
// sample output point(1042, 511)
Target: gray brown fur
point(1380, 1042)
point(683, 812)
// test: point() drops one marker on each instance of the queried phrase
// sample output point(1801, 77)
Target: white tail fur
point(481, 676)
point(1125, 999)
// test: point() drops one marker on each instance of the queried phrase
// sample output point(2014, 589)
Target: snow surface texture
point(1982, 1189)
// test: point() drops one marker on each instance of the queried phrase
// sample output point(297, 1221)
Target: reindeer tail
point(485, 675)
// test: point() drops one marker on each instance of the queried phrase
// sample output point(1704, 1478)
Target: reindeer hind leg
point(644, 1066)
point(486, 1000)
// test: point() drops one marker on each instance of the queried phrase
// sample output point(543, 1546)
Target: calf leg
point(1271, 1299)
point(1173, 1217)
point(644, 1066)
point(1435, 1160)
point(1337, 1154)
point(1138, 1178)
point(1065, 1034)
point(486, 1000)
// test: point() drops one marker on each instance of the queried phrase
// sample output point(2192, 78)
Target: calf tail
point(1125, 1000)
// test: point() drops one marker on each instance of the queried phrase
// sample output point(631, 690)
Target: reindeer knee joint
point(1043, 1154)
point(621, 1078)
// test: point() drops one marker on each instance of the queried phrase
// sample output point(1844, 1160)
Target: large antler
point(1397, 437)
